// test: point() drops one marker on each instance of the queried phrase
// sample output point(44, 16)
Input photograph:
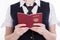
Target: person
point(46, 31)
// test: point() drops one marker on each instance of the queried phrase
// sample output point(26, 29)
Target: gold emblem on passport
point(36, 19)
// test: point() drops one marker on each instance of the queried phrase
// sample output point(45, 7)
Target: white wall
point(4, 4)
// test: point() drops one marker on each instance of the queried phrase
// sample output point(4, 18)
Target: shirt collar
point(36, 1)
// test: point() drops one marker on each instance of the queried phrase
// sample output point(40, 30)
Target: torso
point(44, 9)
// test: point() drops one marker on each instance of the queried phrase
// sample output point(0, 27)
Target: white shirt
point(52, 17)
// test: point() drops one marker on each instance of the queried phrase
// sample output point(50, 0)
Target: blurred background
point(4, 4)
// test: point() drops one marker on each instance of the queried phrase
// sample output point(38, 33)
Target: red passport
point(29, 20)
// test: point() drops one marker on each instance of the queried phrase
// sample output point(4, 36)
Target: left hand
point(40, 29)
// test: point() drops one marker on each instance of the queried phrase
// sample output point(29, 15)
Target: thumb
point(19, 25)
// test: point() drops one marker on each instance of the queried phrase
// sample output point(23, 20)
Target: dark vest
point(45, 9)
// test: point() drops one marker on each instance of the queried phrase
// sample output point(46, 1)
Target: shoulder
point(45, 3)
point(15, 4)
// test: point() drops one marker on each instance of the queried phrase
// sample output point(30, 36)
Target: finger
point(19, 25)
point(34, 28)
point(39, 24)
point(21, 29)
point(24, 29)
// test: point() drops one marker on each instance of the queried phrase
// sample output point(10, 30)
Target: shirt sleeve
point(52, 16)
point(8, 20)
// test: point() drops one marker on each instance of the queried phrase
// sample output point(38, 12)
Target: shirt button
point(31, 37)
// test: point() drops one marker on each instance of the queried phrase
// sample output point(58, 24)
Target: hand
point(40, 29)
point(20, 30)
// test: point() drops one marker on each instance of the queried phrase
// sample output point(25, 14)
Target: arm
point(9, 35)
point(48, 35)
point(8, 23)
point(17, 32)
point(51, 34)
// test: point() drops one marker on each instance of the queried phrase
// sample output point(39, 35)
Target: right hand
point(20, 30)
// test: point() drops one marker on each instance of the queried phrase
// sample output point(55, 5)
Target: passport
point(29, 20)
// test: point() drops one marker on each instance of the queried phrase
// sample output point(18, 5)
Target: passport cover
point(29, 19)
